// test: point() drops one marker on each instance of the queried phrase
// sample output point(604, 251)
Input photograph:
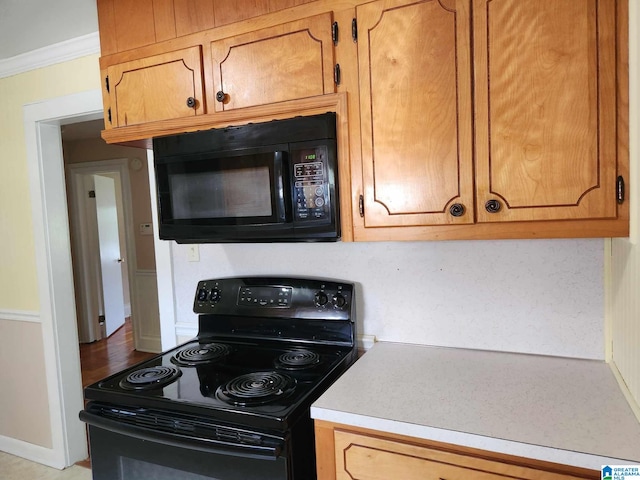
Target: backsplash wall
point(531, 296)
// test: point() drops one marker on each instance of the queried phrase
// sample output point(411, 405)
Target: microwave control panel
point(311, 184)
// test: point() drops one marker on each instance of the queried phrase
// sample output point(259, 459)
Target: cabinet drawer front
point(546, 109)
point(287, 62)
point(157, 88)
point(365, 457)
point(381, 460)
point(416, 112)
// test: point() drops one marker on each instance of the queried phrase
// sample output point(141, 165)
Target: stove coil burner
point(256, 388)
point(148, 378)
point(297, 360)
point(199, 354)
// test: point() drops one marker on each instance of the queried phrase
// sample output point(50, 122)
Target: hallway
point(110, 355)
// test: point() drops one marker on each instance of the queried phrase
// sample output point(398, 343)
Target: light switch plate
point(193, 253)
point(146, 229)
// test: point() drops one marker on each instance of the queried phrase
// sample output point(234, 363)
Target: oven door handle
point(222, 447)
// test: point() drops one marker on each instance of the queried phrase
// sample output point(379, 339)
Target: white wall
point(533, 296)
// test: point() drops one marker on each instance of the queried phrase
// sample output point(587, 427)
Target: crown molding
point(56, 53)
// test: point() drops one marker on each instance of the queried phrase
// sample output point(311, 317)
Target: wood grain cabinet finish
point(348, 453)
point(545, 97)
point(414, 64)
point(286, 62)
point(541, 124)
point(128, 24)
point(467, 119)
point(155, 88)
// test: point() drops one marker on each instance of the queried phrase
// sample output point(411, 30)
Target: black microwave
point(273, 181)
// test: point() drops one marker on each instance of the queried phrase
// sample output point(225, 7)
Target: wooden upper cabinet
point(156, 88)
point(193, 16)
point(416, 112)
point(285, 62)
point(230, 11)
point(545, 95)
point(127, 24)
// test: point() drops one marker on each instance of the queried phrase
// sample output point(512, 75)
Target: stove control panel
point(266, 297)
point(276, 297)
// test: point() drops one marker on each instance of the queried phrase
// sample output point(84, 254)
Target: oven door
point(125, 452)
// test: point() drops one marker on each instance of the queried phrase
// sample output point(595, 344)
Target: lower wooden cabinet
point(347, 453)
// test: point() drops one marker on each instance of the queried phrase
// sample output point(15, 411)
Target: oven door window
point(115, 456)
point(242, 189)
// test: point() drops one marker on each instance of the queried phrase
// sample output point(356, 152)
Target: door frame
point(52, 249)
point(75, 172)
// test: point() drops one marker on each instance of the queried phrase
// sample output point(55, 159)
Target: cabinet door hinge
point(106, 83)
point(620, 189)
point(109, 114)
point(354, 29)
point(361, 205)
point(92, 194)
point(334, 33)
point(336, 74)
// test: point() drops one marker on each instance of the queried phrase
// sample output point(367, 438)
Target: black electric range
point(237, 397)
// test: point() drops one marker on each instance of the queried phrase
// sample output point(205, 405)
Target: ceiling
point(27, 25)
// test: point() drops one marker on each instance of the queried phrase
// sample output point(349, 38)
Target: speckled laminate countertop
point(562, 410)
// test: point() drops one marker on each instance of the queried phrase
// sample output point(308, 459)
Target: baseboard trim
point(34, 453)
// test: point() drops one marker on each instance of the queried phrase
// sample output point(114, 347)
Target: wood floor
point(109, 355)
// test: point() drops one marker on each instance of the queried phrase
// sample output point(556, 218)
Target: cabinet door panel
point(376, 456)
point(415, 94)
point(546, 108)
point(230, 11)
point(287, 62)
point(193, 16)
point(156, 88)
point(126, 24)
point(369, 458)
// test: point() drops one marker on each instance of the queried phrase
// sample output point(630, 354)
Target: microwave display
point(310, 181)
point(243, 192)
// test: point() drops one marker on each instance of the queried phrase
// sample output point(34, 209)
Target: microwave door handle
point(283, 177)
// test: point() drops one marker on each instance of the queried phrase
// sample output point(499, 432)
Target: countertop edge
point(497, 445)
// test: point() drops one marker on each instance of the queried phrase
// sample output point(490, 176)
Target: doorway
point(100, 218)
point(52, 246)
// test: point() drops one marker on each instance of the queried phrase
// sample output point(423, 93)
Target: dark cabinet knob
point(191, 102)
point(221, 96)
point(492, 206)
point(457, 210)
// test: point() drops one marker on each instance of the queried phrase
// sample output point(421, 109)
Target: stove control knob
point(338, 300)
point(321, 299)
point(214, 296)
point(202, 294)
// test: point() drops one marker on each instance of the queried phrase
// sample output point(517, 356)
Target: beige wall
point(23, 402)
point(24, 408)
point(95, 150)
